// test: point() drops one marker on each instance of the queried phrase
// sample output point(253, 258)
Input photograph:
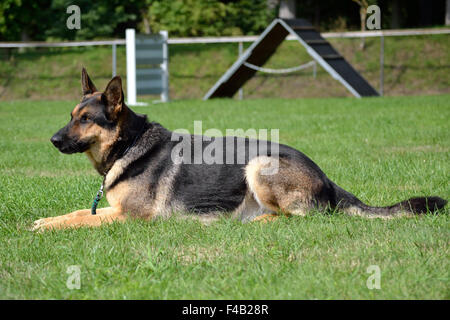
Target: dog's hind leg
point(268, 217)
point(284, 185)
point(80, 218)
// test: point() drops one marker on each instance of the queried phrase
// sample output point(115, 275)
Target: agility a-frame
point(317, 47)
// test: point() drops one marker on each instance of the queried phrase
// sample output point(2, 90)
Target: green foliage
point(24, 19)
point(99, 19)
point(7, 14)
point(209, 17)
point(46, 19)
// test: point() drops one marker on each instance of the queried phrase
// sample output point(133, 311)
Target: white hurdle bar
point(130, 37)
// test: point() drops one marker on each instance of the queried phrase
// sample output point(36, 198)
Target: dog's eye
point(84, 118)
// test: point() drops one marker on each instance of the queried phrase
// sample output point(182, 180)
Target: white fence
point(239, 40)
point(348, 34)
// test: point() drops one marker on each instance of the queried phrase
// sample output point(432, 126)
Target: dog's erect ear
point(114, 95)
point(86, 84)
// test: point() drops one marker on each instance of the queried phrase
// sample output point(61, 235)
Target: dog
point(142, 179)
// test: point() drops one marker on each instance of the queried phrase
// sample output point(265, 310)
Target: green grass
point(413, 65)
point(383, 150)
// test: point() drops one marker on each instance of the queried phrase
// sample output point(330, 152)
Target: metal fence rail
point(348, 34)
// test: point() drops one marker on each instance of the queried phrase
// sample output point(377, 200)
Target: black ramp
point(309, 37)
point(261, 50)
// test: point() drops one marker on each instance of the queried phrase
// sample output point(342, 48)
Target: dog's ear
point(114, 95)
point(87, 86)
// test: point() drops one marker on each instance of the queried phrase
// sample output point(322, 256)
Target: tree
point(99, 19)
point(287, 9)
point(447, 13)
point(24, 19)
point(363, 4)
point(46, 19)
point(209, 17)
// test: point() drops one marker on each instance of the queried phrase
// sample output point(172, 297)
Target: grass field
point(383, 150)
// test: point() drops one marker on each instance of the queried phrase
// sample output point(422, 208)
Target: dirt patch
point(190, 255)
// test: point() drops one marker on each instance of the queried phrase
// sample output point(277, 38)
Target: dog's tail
point(350, 204)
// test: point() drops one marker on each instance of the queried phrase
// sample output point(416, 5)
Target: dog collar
point(99, 195)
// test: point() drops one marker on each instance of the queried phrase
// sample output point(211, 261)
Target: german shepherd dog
point(142, 180)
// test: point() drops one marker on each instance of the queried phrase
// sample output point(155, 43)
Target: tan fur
point(141, 205)
point(115, 171)
point(129, 196)
point(355, 211)
point(117, 195)
point(104, 139)
point(80, 218)
point(290, 190)
point(262, 192)
point(249, 208)
point(266, 217)
point(164, 192)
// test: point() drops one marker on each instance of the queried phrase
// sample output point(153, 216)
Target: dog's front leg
point(77, 213)
point(80, 218)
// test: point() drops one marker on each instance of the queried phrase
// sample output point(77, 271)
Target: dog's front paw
point(36, 224)
point(42, 224)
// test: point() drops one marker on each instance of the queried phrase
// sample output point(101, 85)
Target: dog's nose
point(56, 140)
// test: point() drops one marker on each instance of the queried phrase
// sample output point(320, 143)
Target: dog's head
point(94, 121)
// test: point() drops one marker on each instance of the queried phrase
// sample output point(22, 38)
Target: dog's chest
point(147, 194)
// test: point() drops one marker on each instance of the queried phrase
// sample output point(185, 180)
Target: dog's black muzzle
point(57, 140)
point(66, 144)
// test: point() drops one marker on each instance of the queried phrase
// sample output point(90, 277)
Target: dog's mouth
point(69, 147)
point(72, 149)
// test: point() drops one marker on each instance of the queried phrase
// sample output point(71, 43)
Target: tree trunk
point(24, 37)
point(146, 23)
point(287, 9)
point(363, 15)
point(317, 15)
point(447, 13)
point(395, 18)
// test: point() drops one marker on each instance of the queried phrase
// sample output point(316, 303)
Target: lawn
point(382, 149)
